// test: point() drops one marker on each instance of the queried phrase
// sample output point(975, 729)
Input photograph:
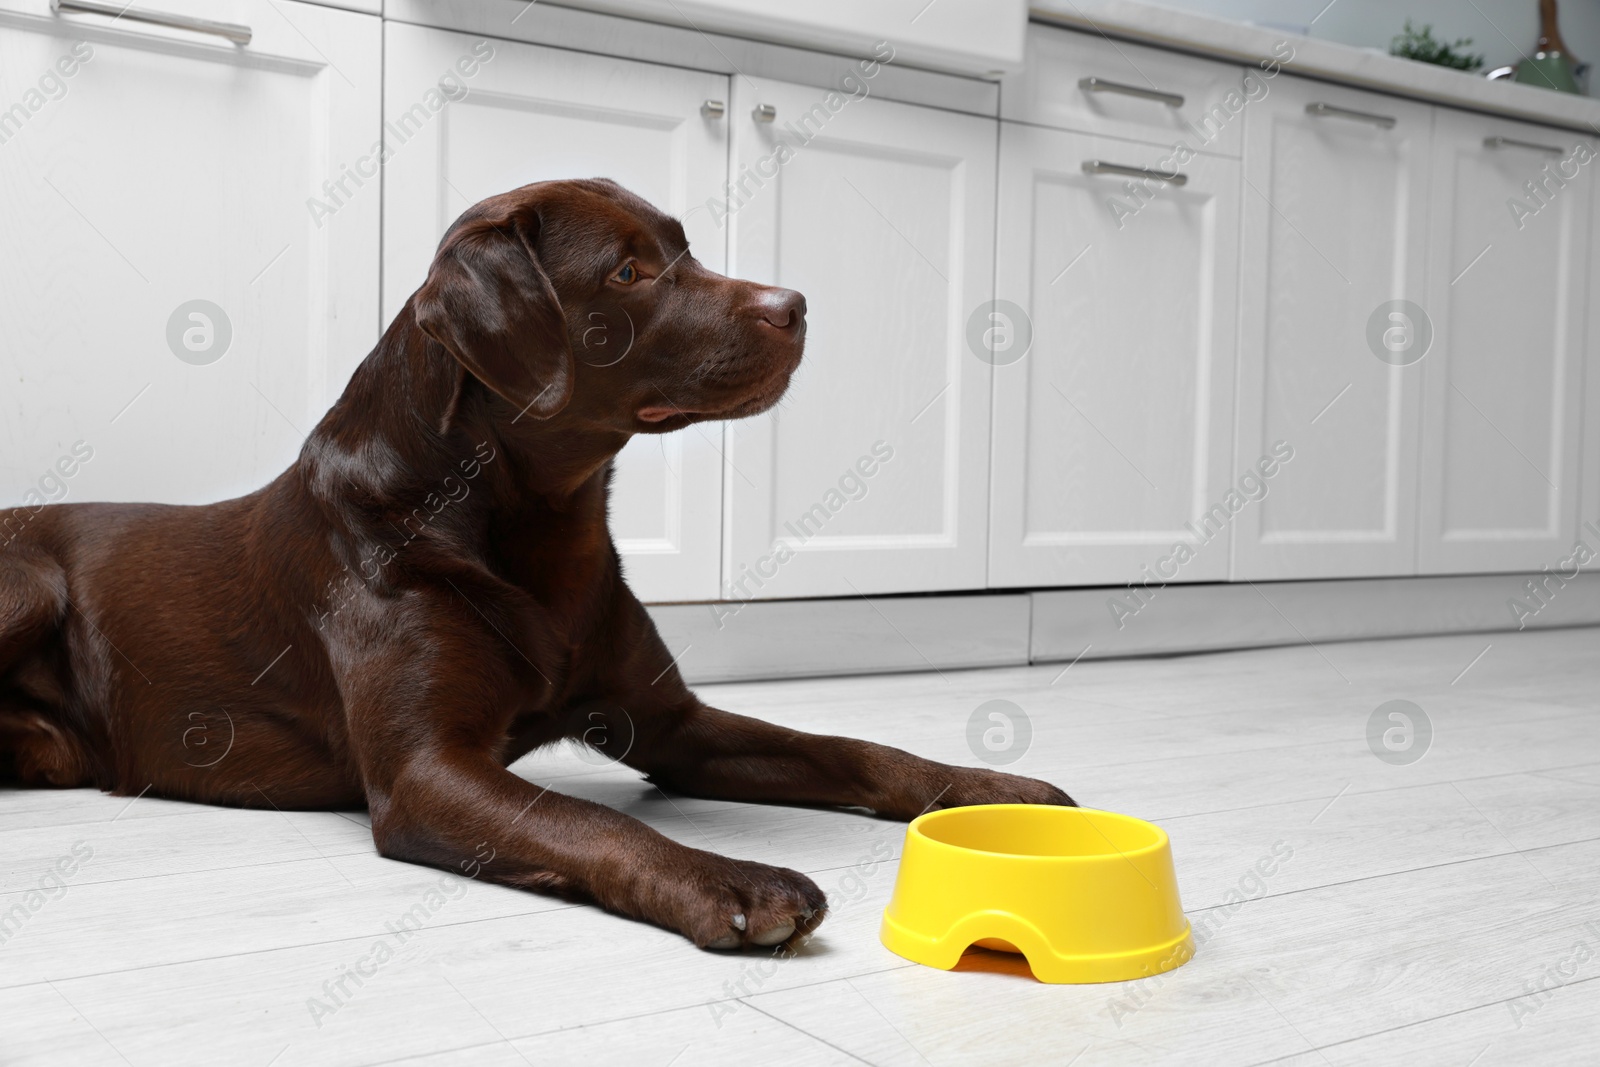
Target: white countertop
point(1329, 60)
point(970, 37)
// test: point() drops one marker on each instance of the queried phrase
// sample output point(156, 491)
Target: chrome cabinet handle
point(1100, 85)
point(1512, 142)
point(764, 113)
point(231, 30)
point(1331, 112)
point(1095, 166)
point(713, 109)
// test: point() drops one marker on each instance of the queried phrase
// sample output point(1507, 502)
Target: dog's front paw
point(968, 785)
point(733, 904)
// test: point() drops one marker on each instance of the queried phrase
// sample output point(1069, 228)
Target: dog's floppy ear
point(489, 302)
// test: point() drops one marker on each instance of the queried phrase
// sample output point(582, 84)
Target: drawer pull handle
point(1095, 166)
point(231, 30)
point(1329, 111)
point(1100, 85)
point(764, 113)
point(1533, 146)
point(713, 109)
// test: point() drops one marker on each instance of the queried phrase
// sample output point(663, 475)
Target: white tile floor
point(1443, 911)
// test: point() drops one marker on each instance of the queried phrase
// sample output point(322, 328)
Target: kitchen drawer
point(1048, 92)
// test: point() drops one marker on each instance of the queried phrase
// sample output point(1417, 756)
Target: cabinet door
point(1335, 227)
point(143, 169)
point(872, 475)
point(1506, 292)
point(530, 114)
point(1114, 432)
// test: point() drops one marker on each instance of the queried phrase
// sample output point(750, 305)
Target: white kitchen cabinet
point(1335, 227)
point(144, 168)
point(1507, 288)
point(1113, 435)
point(529, 114)
point(872, 474)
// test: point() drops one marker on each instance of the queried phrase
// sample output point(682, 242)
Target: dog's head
point(578, 298)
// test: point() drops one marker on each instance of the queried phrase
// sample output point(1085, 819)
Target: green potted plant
point(1422, 46)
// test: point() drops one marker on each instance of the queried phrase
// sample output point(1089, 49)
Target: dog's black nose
point(783, 308)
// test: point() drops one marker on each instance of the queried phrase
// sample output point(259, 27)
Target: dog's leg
point(33, 602)
point(428, 746)
point(468, 814)
point(685, 745)
point(704, 751)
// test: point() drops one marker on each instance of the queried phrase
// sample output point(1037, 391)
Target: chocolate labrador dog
point(431, 592)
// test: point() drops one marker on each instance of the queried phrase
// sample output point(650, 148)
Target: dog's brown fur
point(431, 592)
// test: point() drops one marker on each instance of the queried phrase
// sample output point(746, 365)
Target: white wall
point(1498, 28)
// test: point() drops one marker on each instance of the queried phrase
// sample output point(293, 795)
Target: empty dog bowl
point(1085, 896)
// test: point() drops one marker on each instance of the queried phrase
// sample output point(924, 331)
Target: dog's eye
point(627, 275)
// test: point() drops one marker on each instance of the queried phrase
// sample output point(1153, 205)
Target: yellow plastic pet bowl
point(1085, 896)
